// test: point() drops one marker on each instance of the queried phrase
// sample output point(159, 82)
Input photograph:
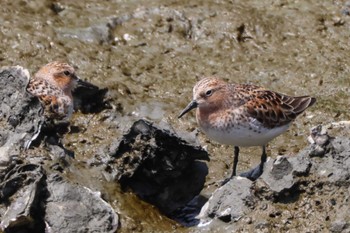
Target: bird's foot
point(254, 173)
point(223, 182)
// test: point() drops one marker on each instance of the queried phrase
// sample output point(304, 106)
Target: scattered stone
point(319, 140)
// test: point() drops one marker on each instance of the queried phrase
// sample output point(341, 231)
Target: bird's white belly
point(244, 136)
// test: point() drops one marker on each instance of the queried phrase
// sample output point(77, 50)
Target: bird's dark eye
point(66, 72)
point(208, 92)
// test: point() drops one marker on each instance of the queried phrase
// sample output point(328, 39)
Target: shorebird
point(243, 115)
point(53, 85)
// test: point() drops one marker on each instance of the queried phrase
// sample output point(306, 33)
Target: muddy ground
point(149, 54)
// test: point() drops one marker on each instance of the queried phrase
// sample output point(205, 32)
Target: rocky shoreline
point(306, 192)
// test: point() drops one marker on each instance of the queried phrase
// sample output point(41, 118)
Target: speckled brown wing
point(52, 106)
point(273, 109)
point(241, 94)
point(47, 95)
point(40, 87)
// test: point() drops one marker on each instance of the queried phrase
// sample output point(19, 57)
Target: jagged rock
point(335, 165)
point(31, 202)
point(21, 198)
point(159, 167)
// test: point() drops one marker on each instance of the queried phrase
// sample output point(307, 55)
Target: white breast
point(252, 134)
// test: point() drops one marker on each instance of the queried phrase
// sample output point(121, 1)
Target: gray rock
point(279, 175)
point(74, 208)
point(336, 163)
point(31, 202)
point(338, 226)
point(230, 202)
point(20, 117)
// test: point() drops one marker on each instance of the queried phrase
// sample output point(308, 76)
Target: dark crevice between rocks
point(162, 169)
point(288, 196)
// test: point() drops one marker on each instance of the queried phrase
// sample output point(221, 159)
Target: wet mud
point(149, 54)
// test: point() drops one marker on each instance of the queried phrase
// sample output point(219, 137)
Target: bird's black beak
point(189, 107)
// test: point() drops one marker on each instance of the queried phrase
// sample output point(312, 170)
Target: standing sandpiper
point(53, 85)
point(244, 115)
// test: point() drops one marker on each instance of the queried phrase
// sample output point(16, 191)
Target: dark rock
point(159, 167)
point(230, 202)
point(187, 215)
point(57, 7)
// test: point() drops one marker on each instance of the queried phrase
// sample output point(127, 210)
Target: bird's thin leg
point(263, 156)
point(234, 166)
point(235, 161)
point(256, 172)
